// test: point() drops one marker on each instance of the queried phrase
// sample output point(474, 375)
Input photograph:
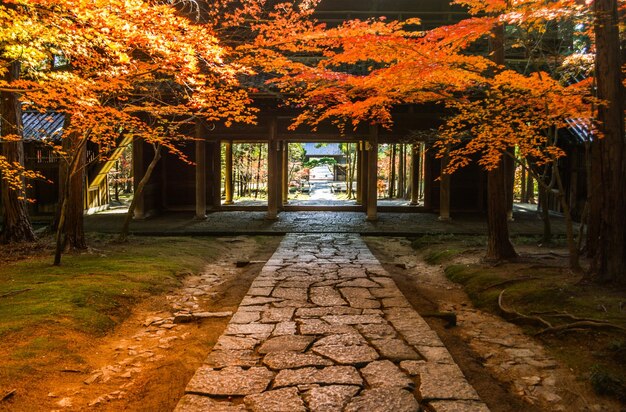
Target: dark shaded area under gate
point(526, 223)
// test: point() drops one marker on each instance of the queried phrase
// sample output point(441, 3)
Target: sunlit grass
point(90, 292)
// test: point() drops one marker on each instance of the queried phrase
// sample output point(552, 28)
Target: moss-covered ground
point(45, 310)
point(540, 284)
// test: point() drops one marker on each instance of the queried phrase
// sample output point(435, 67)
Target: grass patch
point(440, 248)
point(50, 315)
point(439, 256)
point(91, 292)
point(605, 383)
point(557, 240)
point(428, 241)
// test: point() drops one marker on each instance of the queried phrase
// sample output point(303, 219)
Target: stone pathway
point(324, 328)
point(229, 223)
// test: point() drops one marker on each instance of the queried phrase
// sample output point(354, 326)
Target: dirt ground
point(510, 371)
point(145, 364)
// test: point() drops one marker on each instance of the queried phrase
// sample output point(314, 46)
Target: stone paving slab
point(324, 328)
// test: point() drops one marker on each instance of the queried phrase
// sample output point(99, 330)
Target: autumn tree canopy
point(147, 69)
point(364, 68)
point(120, 67)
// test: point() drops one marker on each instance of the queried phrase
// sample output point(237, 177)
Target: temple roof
point(317, 150)
point(42, 126)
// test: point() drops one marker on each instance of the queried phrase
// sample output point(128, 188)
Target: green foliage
point(323, 161)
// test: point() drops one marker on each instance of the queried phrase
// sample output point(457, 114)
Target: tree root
point(584, 324)
point(7, 395)
point(567, 315)
point(506, 282)
point(578, 324)
point(529, 319)
point(15, 292)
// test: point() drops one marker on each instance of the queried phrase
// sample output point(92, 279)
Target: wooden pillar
point(428, 179)
point(444, 192)
point(364, 168)
point(372, 174)
point(402, 171)
point(359, 173)
point(201, 167)
point(138, 173)
point(273, 174)
point(279, 175)
point(415, 173)
point(285, 172)
point(228, 170)
point(215, 167)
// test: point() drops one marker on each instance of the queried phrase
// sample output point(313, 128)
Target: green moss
point(92, 291)
point(39, 347)
point(439, 256)
point(597, 354)
point(45, 310)
point(466, 241)
point(605, 383)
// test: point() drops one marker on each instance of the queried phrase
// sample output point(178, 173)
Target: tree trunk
point(545, 215)
point(530, 190)
point(142, 183)
point(574, 261)
point(499, 246)
point(16, 222)
point(523, 197)
point(608, 204)
point(65, 201)
point(74, 223)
